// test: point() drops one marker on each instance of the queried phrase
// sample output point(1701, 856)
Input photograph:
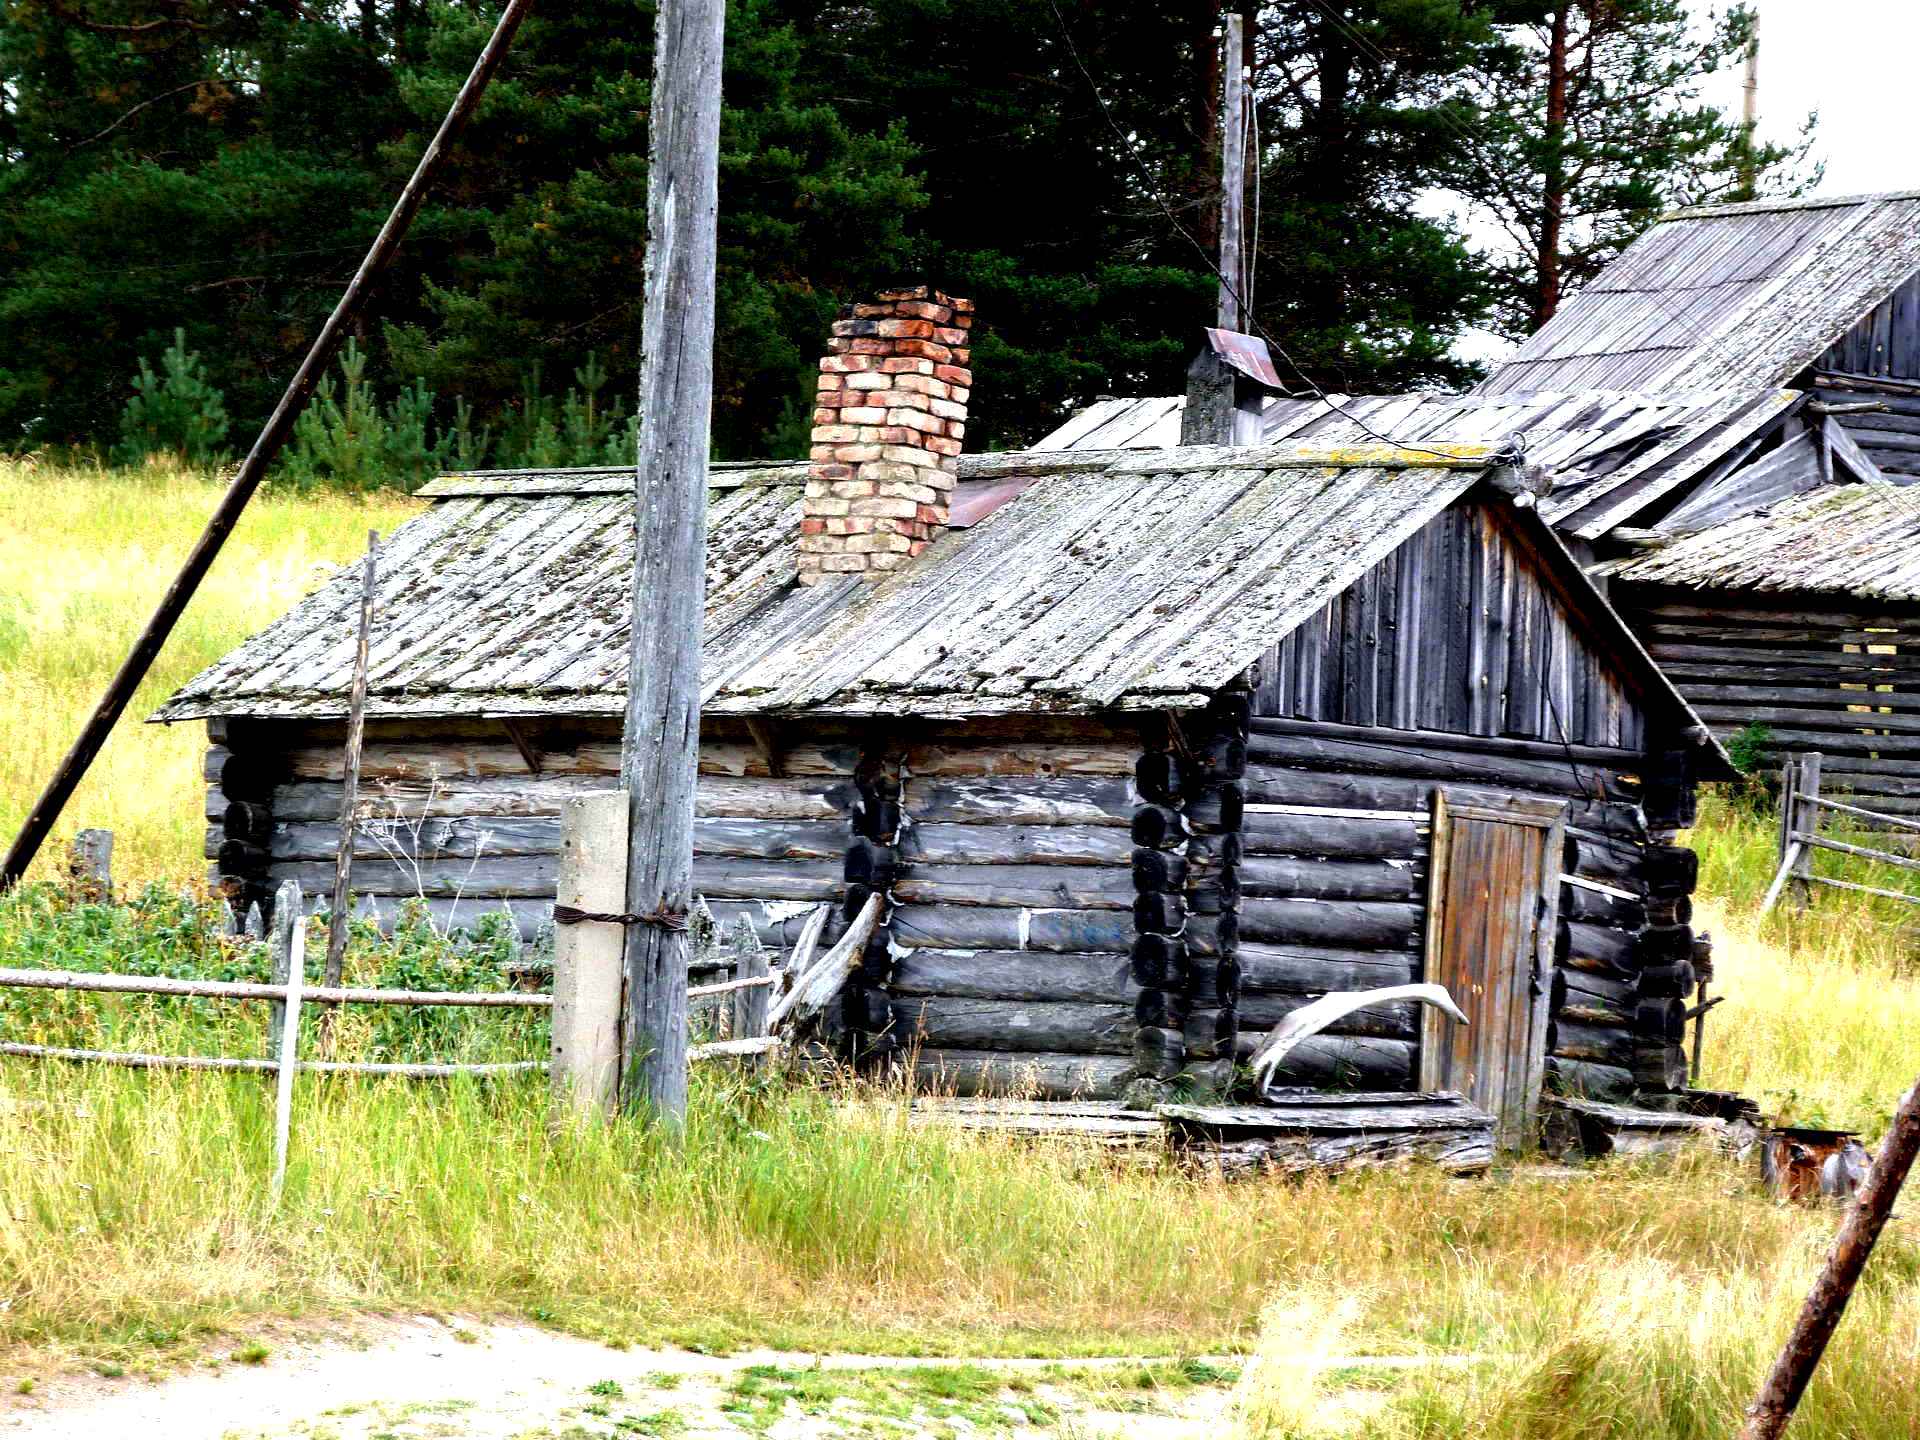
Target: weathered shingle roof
point(1612, 454)
point(1857, 540)
point(1741, 295)
point(1115, 580)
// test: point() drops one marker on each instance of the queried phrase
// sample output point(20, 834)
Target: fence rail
point(1801, 808)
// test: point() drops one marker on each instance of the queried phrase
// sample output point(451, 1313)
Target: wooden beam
point(766, 739)
point(522, 742)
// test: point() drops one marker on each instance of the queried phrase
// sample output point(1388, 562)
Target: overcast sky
point(1853, 61)
point(1850, 60)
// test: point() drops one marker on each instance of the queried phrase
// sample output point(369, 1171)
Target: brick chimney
point(888, 420)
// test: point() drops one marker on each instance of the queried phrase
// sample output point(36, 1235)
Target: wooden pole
point(288, 906)
point(660, 745)
point(1806, 823)
point(1233, 177)
point(120, 691)
point(338, 916)
point(289, 1055)
point(1768, 1415)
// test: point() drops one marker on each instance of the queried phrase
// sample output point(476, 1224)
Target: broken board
point(1304, 1130)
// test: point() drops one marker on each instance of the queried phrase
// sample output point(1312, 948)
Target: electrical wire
point(1232, 286)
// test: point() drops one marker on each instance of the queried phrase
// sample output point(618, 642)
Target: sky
point(1852, 61)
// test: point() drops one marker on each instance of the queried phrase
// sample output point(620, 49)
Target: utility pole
point(1233, 178)
point(660, 746)
point(1750, 110)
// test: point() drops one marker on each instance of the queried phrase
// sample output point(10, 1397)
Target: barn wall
point(1003, 962)
point(1890, 436)
point(1457, 630)
point(1820, 673)
point(1333, 882)
point(1886, 342)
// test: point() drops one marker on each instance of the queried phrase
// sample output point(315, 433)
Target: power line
point(1232, 287)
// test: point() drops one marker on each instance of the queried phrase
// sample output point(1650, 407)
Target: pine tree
point(1591, 124)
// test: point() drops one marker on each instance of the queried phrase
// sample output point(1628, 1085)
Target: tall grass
point(85, 554)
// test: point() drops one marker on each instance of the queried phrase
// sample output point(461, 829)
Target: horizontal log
point(1056, 1026)
point(1708, 632)
point(1598, 908)
point(1265, 833)
point(962, 927)
point(1508, 747)
point(1724, 655)
point(1592, 1044)
point(1819, 696)
point(1610, 861)
point(1342, 1062)
point(1421, 756)
point(487, 878)
point(1045, 1077)
point(1746, 608)
point(977, 844)
point(1834, 669)
point(1022, 757)
point(1277, 877)
point(524, 796)
point(1396, 1021)
point(1044, 800)
point(1057, 887)
point(1611, 1083)
point(1309, 970)
point(1777, 719)
point(436, 841)
point(777, 924)
point(1014, 975)
point(1269, 785)
point(1598, 948)
point(1350, 924)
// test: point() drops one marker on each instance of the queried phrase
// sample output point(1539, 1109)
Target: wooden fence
point(1802, 809)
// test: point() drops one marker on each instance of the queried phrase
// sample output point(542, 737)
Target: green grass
point(85, 554)
point(136, 1231)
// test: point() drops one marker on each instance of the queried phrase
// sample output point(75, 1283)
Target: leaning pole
point(73, 768)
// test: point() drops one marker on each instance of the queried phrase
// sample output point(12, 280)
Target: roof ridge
point(1785, 202)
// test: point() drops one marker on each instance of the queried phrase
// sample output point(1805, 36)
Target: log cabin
point(1144, 749)
point(1733, 358)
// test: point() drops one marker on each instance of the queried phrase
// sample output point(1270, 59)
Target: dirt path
point(418, 1378)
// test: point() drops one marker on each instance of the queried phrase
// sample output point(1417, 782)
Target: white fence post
point(289, 1053)
point(587, 963)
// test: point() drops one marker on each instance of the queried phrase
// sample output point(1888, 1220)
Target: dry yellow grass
point(84, 556)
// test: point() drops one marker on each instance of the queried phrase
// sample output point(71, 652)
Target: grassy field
point(84, 557)
point(1633, 1301)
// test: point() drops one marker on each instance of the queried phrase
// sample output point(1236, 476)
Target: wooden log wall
point(1890, 435)
point(1333, 882)
point(1004, 848)
point(1843, 679)
point(1458, 630)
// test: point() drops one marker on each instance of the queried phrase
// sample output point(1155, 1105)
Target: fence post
point(287, 907)
point(1789, 777)
point(750, 1006)
point(1805, 821)
point(289, 1052)
point(92, 865)
point(587, 964)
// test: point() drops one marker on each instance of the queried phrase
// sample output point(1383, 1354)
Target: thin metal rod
point(120, 691)
point(247, 990)
point(338, 917)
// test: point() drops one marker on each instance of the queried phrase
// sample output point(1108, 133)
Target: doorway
point(1492, 910)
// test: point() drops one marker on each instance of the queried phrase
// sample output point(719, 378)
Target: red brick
point(813, 527)
point(952, 374)
point(906, 365)
point(922, 349)
point(949, 335)
point(846, 364)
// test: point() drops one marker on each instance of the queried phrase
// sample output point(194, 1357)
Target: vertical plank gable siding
point(1368, 708)
point(1455, 631)
point(1014, 895)
point(1819, 673)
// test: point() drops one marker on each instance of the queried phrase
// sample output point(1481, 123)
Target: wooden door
point(1492, 908)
